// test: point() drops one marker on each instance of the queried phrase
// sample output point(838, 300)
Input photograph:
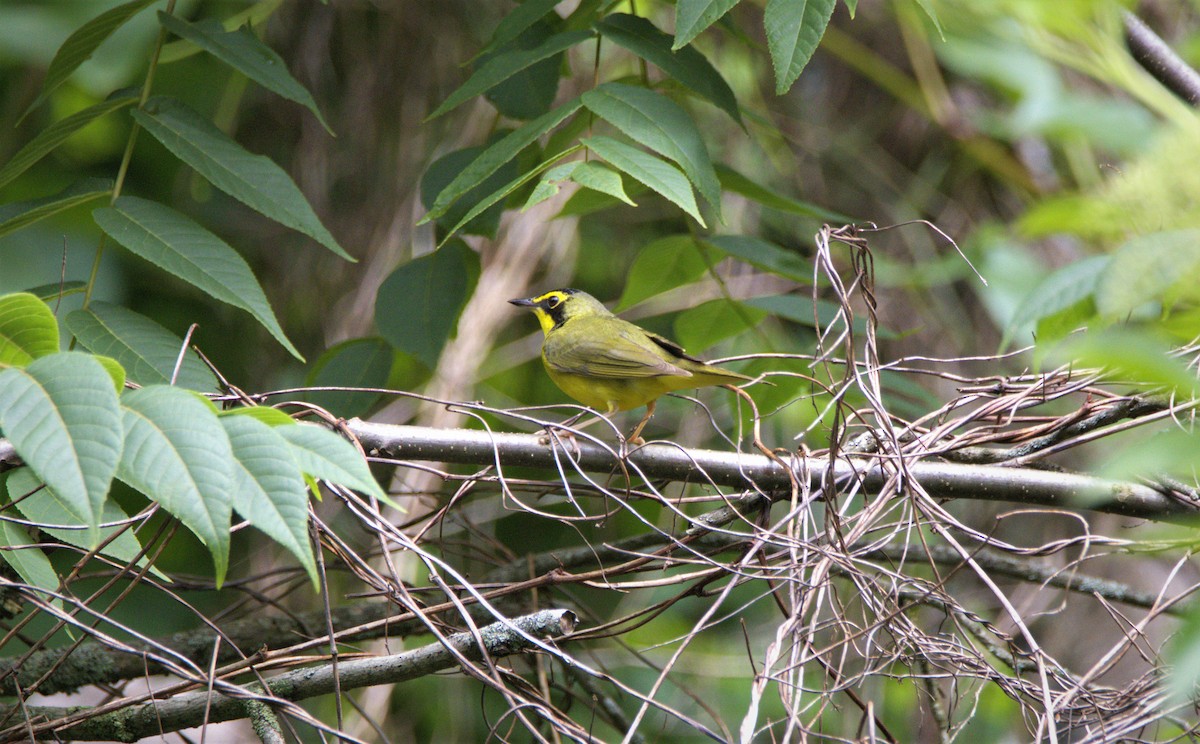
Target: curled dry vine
point(815, 578)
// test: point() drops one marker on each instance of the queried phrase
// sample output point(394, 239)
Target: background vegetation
point(960, 239)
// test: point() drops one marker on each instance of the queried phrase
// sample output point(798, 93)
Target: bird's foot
point(550, 435)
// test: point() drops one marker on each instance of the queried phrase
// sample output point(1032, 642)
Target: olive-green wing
point(608, 350)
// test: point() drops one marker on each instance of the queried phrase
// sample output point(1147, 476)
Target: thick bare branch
point(751, 471)
point(194, 709)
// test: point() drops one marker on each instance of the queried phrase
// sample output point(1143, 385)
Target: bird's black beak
point(522, 302)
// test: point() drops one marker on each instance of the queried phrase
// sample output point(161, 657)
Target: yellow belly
point(608, 395)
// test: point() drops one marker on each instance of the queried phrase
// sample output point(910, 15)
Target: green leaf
point(489, 160)
point(704, 325)
point(663, 264)
point(658, 175)
point(40, 505)
point(177, 453)
point(794, 29)
point(1145, 268)
point(115, 371)
point(28, 329)
point(253, 17)
point(599, 178)
point(268, 489)
point(61, 415)
point(266, 414)
point(1184, 661)
point(80, 45)
point(659, 123)
point(765, 255)
point(27, 559)
point(244, 52)
point(852, 6)
point(545, 188)
point(17, 215)
point(520, 18)
point(503, 66)
point(684, 63)
point(57, 133)
point(503, 192)
point(57, 290)
point(587, 174)
point(358, 363)
point(926, 6)
point(181, 247)
point(323, 454)
point(528, 93)
point(1131, 356)
point(800, 309)
point(254, 180)
point(733, 181)
point(693, 16)
point(145, 349)
point(1059, 291)
point(417, 307)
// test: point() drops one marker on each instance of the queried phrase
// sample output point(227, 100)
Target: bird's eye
point(553, 302)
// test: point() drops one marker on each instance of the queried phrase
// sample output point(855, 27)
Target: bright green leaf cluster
point(660, 147)
point(66, 417)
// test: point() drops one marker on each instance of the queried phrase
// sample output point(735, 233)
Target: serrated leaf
point(268, 489)
point(683, 64)
point(1059, 291)
point(794, 29)
point(765, 255)
point(57, 133)
point(736, 182)
point(664, 264)
point(493, 157)
point(28, 329)
point(182, 247)
point(1144, 268)
point(40, 505)
point(660, 124)
point(325, 455)
point(17, 215)
point(598, 178)
point(503, 66)
point(146, 350)
point(693, 16)
point(244, 52)
point(80, 45)
point(254, 180)
point(358, 363)
point(657, 174)
point(417, 306)
point(178, 455)
point(61, 415)
point(518, 19)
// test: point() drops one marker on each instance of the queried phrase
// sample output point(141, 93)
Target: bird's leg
point(635, 437)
